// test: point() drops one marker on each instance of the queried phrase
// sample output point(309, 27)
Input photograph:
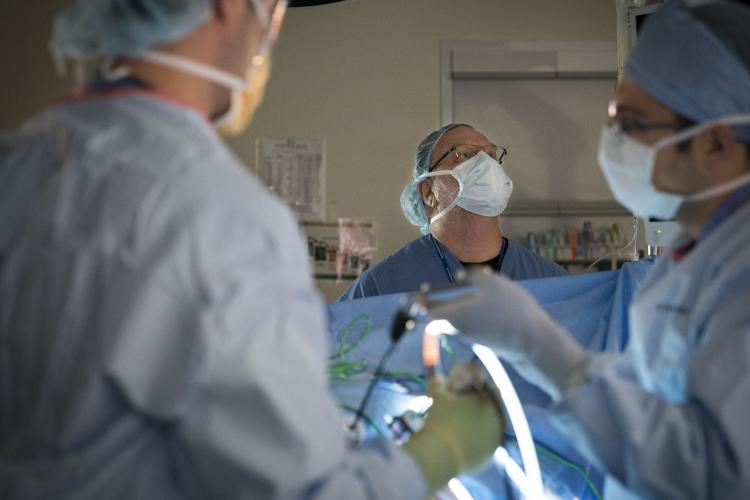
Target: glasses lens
point(277, 19)
point(271, 34)
point(466, 152)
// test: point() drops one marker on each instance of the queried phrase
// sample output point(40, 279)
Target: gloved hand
point(503, 317)
point(461, 432)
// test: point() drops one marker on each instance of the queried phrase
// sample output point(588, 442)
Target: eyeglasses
point(272, 24)
point(464, 152)
point(277, 19)
point(629, 125)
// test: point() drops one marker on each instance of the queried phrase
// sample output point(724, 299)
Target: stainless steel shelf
point(564, 208)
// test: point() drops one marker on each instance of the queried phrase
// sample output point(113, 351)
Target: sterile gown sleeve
point(698, 449)
point(240, 385)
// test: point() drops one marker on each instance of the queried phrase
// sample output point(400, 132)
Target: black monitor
point(637, 17)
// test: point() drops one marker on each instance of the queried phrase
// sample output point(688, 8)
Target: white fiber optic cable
point(529, 483)
point(458, 490)
point(514, 472)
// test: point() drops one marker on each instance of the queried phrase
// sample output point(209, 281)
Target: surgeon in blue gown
point(668, 418)
point(160, 335)
point(458, 190)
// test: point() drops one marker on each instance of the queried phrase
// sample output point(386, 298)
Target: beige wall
point(28, 81)
point(363, 74)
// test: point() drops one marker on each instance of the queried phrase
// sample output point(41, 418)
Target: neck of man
point(693, 216)
point(206, 97)
point(201, 46)
point(469, 237)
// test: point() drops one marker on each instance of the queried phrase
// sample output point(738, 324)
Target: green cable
point(344, 370)
point(562, 461)
point(343, 349)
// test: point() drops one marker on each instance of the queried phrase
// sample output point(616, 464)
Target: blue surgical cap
point(693, 58)
point(90, 29)
point(411, 200)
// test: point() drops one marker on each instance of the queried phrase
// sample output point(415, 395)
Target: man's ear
point(425, 191)
point(719, 147)
point(723, 141)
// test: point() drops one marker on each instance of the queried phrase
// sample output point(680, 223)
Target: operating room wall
point(29, 82)
point(363, 74)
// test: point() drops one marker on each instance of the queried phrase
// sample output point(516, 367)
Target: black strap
point(451, 278)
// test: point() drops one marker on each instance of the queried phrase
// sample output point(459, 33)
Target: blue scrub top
point(419, 262)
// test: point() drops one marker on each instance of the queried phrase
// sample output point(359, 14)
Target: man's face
point(632, 107)
point(439, 192)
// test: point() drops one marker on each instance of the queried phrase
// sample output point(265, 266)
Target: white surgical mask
point(628, 166)
point(483, 186)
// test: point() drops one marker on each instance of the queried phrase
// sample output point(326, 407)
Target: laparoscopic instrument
point(416, 312)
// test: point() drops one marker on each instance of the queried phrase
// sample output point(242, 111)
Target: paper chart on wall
point(294, 169)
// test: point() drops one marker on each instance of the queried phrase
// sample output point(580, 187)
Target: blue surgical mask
point(628, 166)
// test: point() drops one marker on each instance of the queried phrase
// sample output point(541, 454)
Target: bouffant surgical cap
point(411, 199)
point(91, 29)
point(694, 57)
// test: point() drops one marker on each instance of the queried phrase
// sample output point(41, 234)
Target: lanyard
point(449, 273)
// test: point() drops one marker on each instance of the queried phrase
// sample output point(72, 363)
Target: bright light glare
point(420, 404)
point(431, 341)
point(440, 327)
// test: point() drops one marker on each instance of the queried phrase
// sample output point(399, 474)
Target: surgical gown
point(669, 417)
point(160, 336)
point(419, 262)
